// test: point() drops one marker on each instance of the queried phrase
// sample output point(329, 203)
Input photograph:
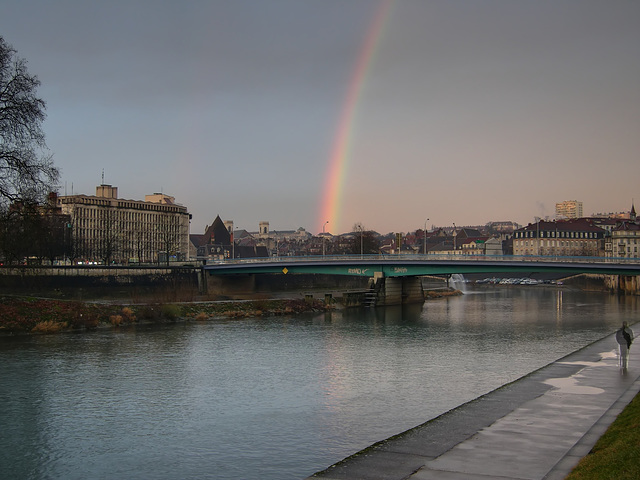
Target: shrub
point(116, 320)
point(48, 326)
point(201, 317)
point(128, 314)
point(170, 311)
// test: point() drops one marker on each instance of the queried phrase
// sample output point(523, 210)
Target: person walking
point(624, 337)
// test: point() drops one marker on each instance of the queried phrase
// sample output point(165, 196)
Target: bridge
point(418, 265)
point(395, 278)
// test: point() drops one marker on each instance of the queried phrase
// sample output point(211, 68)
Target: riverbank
point(539, 427)
point(24, 315)
point(31, 315)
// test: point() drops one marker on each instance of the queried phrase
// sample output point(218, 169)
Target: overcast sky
point(470, 111)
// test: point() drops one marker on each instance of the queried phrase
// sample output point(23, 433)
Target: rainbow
point(338, 162)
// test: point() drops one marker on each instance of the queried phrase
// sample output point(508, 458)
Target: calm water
point(276, 398)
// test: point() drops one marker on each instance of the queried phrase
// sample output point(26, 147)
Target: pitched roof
point(571, 225)
point(197, 239)
point(217, 233)
point(627, 226)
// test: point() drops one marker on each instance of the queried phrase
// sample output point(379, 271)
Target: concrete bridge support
point(399, 290)
point(626, 284)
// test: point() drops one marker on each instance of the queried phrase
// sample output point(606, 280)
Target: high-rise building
point(114, 230)
point(569, 209)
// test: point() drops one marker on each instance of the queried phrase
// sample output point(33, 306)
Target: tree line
point(27, 172)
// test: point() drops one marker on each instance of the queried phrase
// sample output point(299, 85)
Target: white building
point(569, 209)
point(109, 229)
point(625, 238)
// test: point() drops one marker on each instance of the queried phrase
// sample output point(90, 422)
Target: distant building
point(502, 227)
point(625, 238)
point(569, 209)
point(577, 237)
point(493, 246)
point(114, 230)
point(215, 243)
point(221, 241)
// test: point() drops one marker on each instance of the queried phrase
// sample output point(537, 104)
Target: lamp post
point(275, 240)
point(361, 240)
point(233, 242)
point(424, 233)
point(325, 224)
point(454, 238)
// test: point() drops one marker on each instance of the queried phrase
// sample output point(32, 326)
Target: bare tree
point(26, 169)
point(168, 230)
point(109, 235)
point(364, 241)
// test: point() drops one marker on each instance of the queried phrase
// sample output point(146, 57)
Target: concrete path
point(538, 427)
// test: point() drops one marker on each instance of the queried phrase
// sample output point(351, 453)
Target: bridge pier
point(626, 284)
point(399, 290)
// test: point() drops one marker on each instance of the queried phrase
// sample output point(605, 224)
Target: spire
point(632, 213)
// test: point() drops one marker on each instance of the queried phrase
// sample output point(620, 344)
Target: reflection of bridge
point(396, 277)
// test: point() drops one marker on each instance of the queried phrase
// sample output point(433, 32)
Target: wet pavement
point(538, 427)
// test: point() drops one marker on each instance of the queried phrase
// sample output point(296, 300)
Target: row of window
point(140, 217)
point(555, 234)
point(628, 249)
point(554, 243)
point(129, 226)
point(147, 206)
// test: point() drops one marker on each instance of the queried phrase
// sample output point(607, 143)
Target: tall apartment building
point(569, 209)
point(109, 229)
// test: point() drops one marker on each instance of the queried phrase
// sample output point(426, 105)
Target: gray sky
point(471, 111)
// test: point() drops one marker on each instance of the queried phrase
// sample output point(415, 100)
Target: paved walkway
point(536, 428)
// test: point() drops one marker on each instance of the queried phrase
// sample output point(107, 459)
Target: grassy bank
point(37, 316)
point(616, 455)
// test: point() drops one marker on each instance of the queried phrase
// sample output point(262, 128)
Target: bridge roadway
point(418, 265)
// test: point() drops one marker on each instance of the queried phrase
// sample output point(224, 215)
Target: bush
point(116, 320)
point(48, 326)
point(170, 311)
point(128, 315)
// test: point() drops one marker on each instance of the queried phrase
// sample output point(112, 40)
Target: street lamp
point(424, 233)
point(454, 238)
point(325, 224)
point(538, 235)
point(275, 240)
point(233, 242)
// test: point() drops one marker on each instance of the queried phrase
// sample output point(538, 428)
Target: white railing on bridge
point(432, 257)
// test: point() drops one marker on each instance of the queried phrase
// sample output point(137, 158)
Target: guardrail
point(430, 257)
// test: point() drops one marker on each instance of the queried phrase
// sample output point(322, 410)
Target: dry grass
point(128, 315)
point(49, 326)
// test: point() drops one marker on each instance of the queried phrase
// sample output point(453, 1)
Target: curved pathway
point(535, 428)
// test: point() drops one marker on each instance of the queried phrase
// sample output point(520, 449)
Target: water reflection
point(273, 398)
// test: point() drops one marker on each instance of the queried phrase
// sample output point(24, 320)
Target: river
point(273, 398)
